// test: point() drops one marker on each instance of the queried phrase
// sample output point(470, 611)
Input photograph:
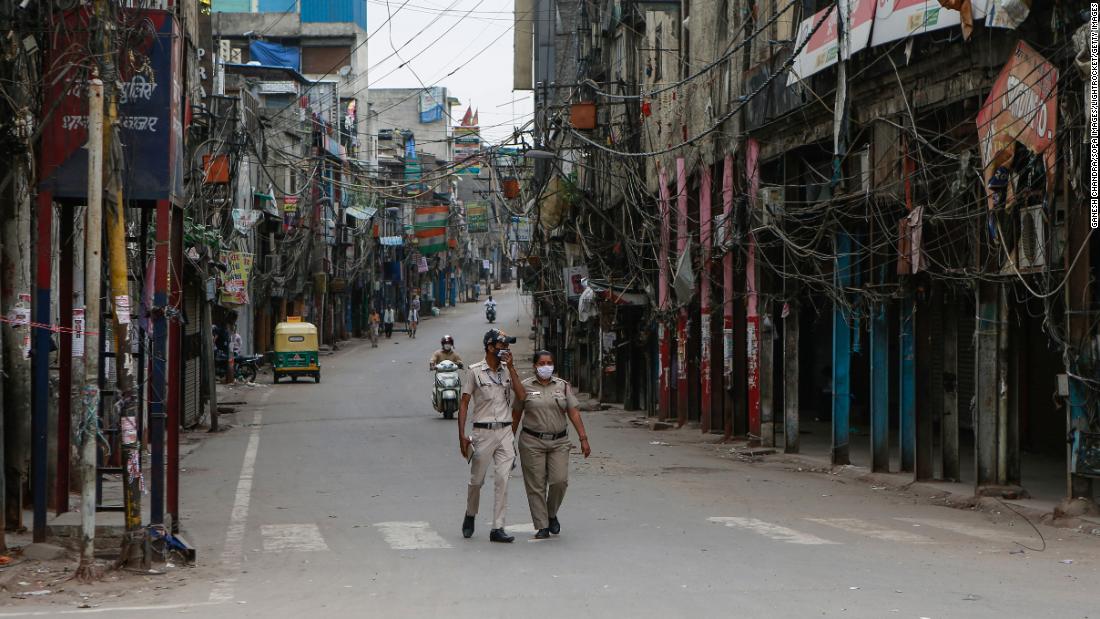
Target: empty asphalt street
point(345, 499)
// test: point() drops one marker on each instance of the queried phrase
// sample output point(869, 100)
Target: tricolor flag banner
point(431, 228)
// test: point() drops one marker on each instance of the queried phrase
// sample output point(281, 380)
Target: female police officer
point(544, 444)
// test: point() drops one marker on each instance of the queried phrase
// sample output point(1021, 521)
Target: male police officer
point(493, 390)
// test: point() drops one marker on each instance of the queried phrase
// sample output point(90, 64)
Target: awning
point(267, 203)
point(361, 212)
point(392, 241)
point(617, 294)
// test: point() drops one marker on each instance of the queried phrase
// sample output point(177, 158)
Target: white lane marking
point(110, 609)
point(769, 530)
point(411, 536)
point(238, 520)
point(862, 527)
point(962, 529)
point(292, 538)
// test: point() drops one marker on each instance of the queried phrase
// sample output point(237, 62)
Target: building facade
point(852, 219)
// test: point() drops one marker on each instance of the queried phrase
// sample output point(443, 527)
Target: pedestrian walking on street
point(492, 387)
point(544, 444)
point(387, 321)
point(412, 321)
point(374, 325)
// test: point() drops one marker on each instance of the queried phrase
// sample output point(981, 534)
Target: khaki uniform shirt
point(490, 393)
point(442, 355)
point(547, 406)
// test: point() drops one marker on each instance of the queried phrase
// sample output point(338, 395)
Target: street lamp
point(534, 153)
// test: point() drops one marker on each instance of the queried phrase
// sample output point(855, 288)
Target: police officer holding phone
point(492, 387)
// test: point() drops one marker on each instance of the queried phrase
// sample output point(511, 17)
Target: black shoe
point(543, 534)
point(468, 527)
point(499, 535)
point(555, 526)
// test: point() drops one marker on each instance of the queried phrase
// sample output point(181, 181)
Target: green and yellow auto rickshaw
point(296, 350)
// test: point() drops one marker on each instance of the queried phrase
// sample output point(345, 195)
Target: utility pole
point(133, 542)
point(88, 424)
point(15, 260)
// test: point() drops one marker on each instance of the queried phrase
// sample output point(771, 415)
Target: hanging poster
point(20, 316)
point(78, 332)
point(121, 309)
point(245, 220)
point(574, 281)
point(1022, 108)
point(235, 288)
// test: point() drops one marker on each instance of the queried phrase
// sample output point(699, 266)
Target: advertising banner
point(467, 149)
point(431, 104)
point(1021, 108)
point(477, 217)
point(823, 48)
point(899, 19)
point(235, 288)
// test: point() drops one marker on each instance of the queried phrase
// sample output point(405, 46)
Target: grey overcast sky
point(464, 45)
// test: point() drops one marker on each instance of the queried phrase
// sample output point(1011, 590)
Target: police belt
point(492, 425)
point(547, 436)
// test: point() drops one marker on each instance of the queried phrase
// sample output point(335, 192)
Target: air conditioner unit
point(1031, 249)
point(771, 205)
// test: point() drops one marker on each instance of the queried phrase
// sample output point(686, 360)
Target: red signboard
point(149, 100)
point(1021, 109)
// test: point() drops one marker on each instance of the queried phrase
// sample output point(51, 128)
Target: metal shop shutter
point(192, 385)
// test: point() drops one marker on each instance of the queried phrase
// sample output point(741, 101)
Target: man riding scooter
point(445, 353)
point(490, 309)
point(447, 385)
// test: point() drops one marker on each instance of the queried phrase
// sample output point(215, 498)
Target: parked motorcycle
point(447, 388)
point(245, 367)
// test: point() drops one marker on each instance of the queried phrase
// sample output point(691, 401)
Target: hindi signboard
point(235, 288)
point(477, 217)
point(150, 123)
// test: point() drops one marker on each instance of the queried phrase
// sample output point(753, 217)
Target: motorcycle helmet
point(447, 340)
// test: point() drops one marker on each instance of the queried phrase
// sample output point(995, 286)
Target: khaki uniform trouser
point(545, 475)
point(493, 447)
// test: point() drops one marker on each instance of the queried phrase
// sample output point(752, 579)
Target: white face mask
point(545, 371)
point(447, 347)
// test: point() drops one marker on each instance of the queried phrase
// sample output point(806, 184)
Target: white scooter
point(447, 389)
